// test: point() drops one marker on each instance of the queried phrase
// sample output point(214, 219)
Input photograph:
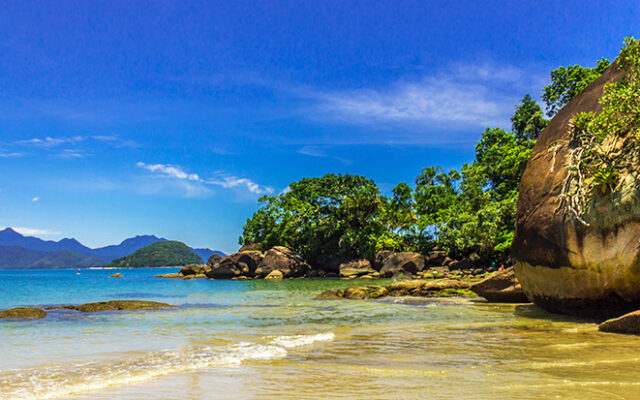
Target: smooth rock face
point(629, 323)
point(23, 313)
point(402, 263)
point(356, 268)
point(193, 269)
point(501, 287)
point(563, 265)
point(290, 263)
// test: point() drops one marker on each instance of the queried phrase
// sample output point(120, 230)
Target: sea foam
point(53, 382)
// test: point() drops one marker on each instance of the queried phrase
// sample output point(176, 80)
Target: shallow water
point(270, 340)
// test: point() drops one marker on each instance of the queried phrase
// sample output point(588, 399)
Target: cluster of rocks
point(422, 288)
point(281, 262)
point(113, 305)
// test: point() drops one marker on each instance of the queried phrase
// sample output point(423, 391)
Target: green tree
point(567, 82)
point(528, 120)
point(334, 215)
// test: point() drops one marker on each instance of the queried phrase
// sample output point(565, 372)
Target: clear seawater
point(271, 340)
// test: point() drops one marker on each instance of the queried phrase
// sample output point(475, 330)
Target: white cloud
point(72, 153)
point(321, 151)
point(177, 173)
point(170, 171)
point(35, 199)
point(233, 181)
point(34, 231)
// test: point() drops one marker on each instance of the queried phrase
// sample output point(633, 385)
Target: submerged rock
point(23, 313)
point(116, 275)
point(501, 287)
point(588, 268)
point(422, 288)
point(119, 305)
point(629, 323)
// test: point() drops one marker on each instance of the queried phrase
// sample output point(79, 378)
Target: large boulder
point(235, 265)
point(23, 313)
point(589, 267)
point(285, 260)
point(501, 287)
point(402, 263)
point(213, 260)
point(193, 269)
point(356, 268)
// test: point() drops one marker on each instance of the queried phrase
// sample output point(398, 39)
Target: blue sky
point(171, 118)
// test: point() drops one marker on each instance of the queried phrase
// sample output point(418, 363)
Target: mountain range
point(18, 251)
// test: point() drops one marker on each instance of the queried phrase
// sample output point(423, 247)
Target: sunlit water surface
point(271, 340)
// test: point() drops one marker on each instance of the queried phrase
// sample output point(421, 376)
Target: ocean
point(270, 340)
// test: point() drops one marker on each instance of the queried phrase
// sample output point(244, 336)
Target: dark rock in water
point(629, 323)
point(501, 287)
point(563, 264)
point(194, 269)
point(175, 275)
point(116, 275)
point(380, 258)
point(23, 313)
point(120, 305)
point(402, 263)
point(290, 263)
point(235, 265)
point(356, 268)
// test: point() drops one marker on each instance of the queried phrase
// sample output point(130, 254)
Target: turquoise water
point(270, 339)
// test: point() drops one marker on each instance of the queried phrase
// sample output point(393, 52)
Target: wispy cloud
point(322, 152)
point(35, 199)
point(33, 231)
point(72, 153)
point(461, 97)
point(115, 141)
point(192, 182)
point(170, 171)
point(50, 141)
point(234, 181)
point(12, 154)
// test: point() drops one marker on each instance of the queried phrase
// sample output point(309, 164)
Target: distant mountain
point(16, 257)
point(159, 254)
point(206, 253)
point(83, 255)
point(126, 247)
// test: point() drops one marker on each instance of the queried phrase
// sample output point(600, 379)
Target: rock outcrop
point(23, 313)
point(501, 287)
point(628, 323)
point(235, 265)
point(564, 265)
point(116, 275)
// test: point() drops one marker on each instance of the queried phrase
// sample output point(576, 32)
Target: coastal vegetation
point(460, 211)
point(159, 254)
